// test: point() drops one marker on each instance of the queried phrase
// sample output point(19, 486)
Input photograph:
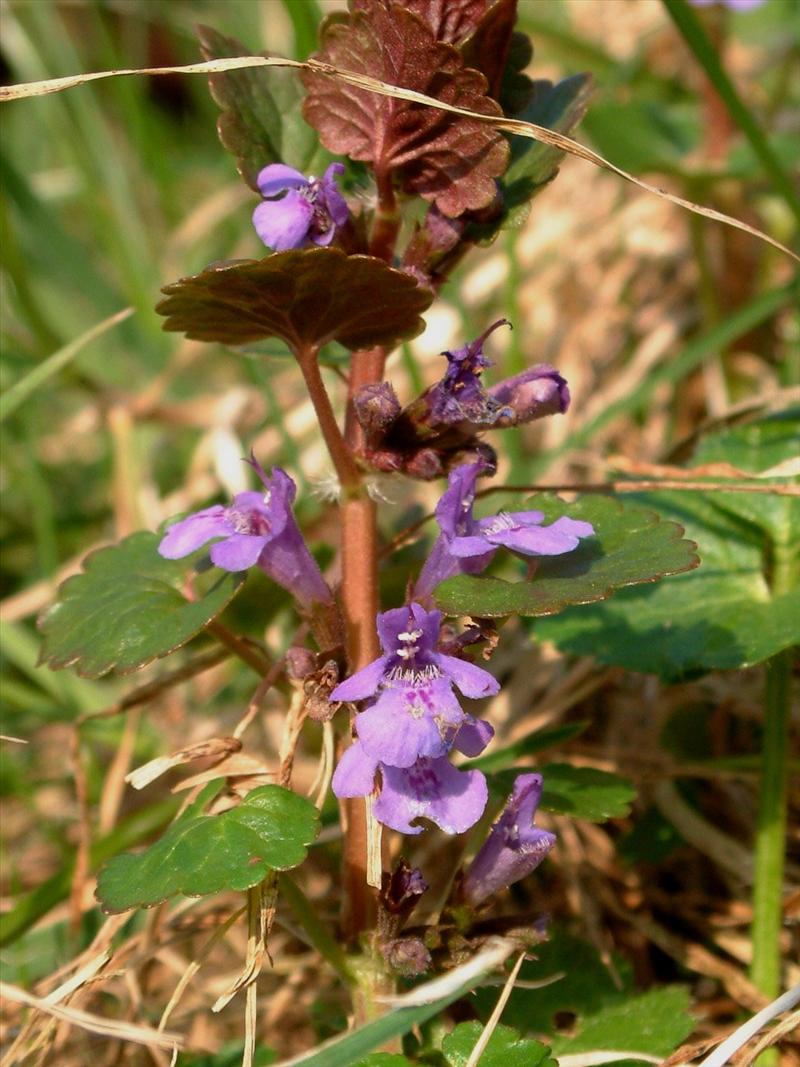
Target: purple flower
point(466, 545)
point(416, 713)
point(256, 530)
point(430, 789)
point(514, 847)
point(458, 406)
point(308, 213)
point(532, 394)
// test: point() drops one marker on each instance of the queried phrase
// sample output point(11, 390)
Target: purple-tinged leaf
point(306, 297)
point(447, 159)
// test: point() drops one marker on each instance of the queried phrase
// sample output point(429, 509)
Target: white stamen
point(407, 676)
point(503, 521)
point(411, 635)
point(407, 653)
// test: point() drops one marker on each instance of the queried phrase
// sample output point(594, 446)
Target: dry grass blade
point(195, 966)
point(119, 1031)
point(81, 976)
point(596, 1059)
point(216, 748)
point(722, 1053)
point(790, 1025)
point(495, 952)
point(360, 81)
point(494, 1018)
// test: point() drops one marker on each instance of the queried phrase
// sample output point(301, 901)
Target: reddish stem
point(387, 219)
point(360, 605)
point(341, 455)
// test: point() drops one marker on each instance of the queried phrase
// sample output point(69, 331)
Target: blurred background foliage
point(664, 324)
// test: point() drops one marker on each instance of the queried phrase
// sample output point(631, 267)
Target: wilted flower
point(255, 530)
point(514, 847)
point(466, 545)
point(459, 403)
point(307, 213)
point(416, 712)
point(430, 788)
point(442, 426)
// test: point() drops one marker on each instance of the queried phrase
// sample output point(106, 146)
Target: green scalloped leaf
point(505, 1048)
point(631, 545)
point(585, 986)
point(534, 164)
point(128, 608)
point(201, 854)
point(260, 120)
point(725, 614)
point(653, 1024)
point(582, 792)
point(305, 297)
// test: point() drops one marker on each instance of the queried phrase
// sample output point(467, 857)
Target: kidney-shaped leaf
point(201, 854)
point(445, 158)
point(306, 297)
point(740, 606)
point(505, 1048)
point(653, 1023)
point(260, 120)
point(630, 545)
point(128, 608)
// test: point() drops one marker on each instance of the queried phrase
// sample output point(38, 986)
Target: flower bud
point(426, 464)
point(407, 956)
point(534, 393)
point(402, 889)
point(377, 407)
point(514, 847)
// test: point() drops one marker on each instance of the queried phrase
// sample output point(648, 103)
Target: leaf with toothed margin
point(483, 32)
point(305, 297)
point(729, 613)
point(535, 164)
point(260, 120)
point(128, 608)
point(505, 1048)
point(630, 545)
point(201, 854)
point(448, 159)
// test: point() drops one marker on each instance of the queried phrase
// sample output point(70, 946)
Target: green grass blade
point(25, 387)
point(428, 1000)
point(696, 38)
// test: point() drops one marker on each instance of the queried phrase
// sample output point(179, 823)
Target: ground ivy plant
point(365, 204)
